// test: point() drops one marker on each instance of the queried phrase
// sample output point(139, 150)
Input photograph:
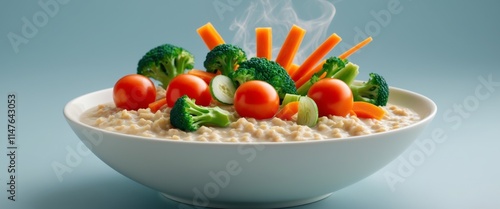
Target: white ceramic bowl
point(254, 175)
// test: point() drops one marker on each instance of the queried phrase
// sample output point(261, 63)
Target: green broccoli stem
point(194, 109)
point(355, 89)
point(302, 90)
point(160, 75)
point(348, 73)
point(181, 64)
point(214, 117)
point(169, 68)
point(227, 66)
point(208, 116)
point(330, 73)
point(173, 68)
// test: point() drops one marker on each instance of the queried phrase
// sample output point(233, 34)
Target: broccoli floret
point(186, 115)
point(225, 58)
point(243, 75)
point(329, 69)
point(375, 90)
point(265, 70)
point(164, 62)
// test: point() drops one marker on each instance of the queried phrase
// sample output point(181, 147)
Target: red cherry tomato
point(256, 99)
point(332, 96)
point(190, 85)
point(133, 92)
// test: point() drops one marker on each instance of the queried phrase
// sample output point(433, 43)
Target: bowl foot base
point(222, 204)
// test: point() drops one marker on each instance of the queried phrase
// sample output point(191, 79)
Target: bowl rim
point(424, 120)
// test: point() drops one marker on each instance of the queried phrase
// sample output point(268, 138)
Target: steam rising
point(281, 15)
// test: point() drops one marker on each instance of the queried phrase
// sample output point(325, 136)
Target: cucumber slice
point(290, 98)
point(222, 89)
point(308, 112)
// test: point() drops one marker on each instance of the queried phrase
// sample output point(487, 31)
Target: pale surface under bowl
point(255, 175)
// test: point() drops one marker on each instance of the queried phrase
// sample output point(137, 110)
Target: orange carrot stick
point(356, 48)
point(288, 111)
point(316, 56)
point(290, 46)
point(303, 79)
point(206, 76)
point(292, 68)
point(264, 40)
point(368, 110)
point(210, 36)
point(157, 105)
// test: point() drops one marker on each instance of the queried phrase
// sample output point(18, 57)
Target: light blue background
point(436, 48)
